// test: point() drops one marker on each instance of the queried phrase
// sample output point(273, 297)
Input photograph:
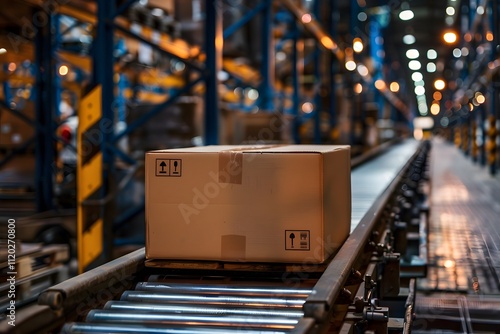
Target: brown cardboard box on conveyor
point(289, 203)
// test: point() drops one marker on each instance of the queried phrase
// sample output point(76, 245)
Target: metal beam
point(213, 51)
point(45, 110)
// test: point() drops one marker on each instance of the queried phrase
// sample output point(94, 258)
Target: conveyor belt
point(205, 301)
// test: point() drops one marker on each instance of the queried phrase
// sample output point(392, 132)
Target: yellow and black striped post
point(491, 145)
point(465, 138)
point(90, 228)
point(474, 148)
point(457, 137)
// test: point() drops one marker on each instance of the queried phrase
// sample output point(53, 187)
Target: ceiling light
point(408, 39)
point(431, 54)
point(414, 65)
point(450, 37)
point(363, 70)
point(422, 108)
point(480, 98)
point(480, 10)
point(63, 70)
point(2, 51)
point(435, 108)
point(307, 107)
point(439, 84)
point(327, 42)
point(417, 76)
point(357, 45)
point(362, 16)
point(412, 54)
point(350, 65)
point(457, 53)
point(450, 10)
point(358, 88)
point(431, 67)
point(406, 15)
point(380, 84)
point(306, 18)
point(419, 90)
point(394, 87)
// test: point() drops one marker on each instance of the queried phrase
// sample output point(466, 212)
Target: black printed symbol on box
point(169, 167)
point(162, 167)
point(175, 167)
point(297, 240)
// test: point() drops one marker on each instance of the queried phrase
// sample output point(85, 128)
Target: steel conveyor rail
point(123, 296)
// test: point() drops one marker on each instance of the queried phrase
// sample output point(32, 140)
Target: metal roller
point(271, 302)
point(200, 309)
point(221, 289)
point(117, 317)
point(81, 328)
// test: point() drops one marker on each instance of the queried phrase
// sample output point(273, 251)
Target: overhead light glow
point(414, 65)
point(450, 37)
point(450, 10)
point(457, 53)
point(327, 42)
point(350, 65)
point(431, 67)
point(439, 84)
point(357, 45)
point(63, 70)
point(358, 88)
point(431, 54)
point(435, 108)
point(419, 90)
point(480, 98)
point(394, 87)
point(406, 15)
point(380, 84)
point(363, 70)
point(480, 10)
point(409, 39)
point(417, 76)
point(2, 51)
point(362, 16)
point(412, 54)
point(307, 107)
point(306, 18)
point(422, 108)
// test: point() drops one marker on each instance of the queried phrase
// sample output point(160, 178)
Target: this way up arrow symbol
point(163, 165)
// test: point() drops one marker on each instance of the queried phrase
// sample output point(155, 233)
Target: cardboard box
point(287, 203)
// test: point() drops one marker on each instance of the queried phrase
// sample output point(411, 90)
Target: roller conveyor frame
point(325, 295)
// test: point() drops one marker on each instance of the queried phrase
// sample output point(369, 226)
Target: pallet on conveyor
point(130, 295)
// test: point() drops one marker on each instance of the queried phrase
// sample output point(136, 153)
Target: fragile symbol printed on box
point(169, 167)
point(297, 240)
